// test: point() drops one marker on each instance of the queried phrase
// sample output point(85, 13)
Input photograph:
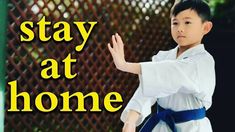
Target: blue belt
point(171, 117)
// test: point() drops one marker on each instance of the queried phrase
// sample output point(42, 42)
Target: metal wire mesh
point(144, 27)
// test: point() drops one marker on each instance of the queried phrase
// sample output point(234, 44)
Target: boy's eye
point(187, 22)
point(175, 23)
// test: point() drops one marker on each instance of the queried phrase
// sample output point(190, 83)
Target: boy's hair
point(199, 6)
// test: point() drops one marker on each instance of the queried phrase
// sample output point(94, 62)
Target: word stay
point(61, 31)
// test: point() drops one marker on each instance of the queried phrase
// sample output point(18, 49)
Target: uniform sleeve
point(164, 78)
point(206, 81)
point(140, 104)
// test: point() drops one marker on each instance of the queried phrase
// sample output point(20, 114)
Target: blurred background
point(145, 28)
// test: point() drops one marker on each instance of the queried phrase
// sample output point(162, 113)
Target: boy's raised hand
point(117, 52)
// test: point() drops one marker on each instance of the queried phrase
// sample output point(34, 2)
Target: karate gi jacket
point(178, 83)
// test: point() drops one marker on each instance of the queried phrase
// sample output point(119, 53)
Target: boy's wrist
point(131, 67)
point(124, 67)
point(130, 123)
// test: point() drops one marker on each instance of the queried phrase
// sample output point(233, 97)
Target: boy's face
point(187, 28)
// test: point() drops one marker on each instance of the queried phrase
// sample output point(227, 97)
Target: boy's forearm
point(134, 68)
point(132, 117)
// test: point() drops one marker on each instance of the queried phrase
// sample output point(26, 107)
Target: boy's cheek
point(173, 34)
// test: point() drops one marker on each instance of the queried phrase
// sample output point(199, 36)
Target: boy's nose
point(180, 29)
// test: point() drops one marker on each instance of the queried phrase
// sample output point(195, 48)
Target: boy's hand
point(117, 52)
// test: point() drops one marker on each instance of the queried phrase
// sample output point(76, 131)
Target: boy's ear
point(207, 27)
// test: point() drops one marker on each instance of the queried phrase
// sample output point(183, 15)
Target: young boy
point(181, 80)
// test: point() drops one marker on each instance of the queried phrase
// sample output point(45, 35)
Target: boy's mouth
point(180, 36)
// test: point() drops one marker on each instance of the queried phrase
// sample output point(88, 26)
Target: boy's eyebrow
point(187, 18)
point(175, 19)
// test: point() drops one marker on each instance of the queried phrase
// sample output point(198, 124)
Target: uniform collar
point(189, 52)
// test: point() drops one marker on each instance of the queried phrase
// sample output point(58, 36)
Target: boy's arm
point(117, 53)
point(132, 116)
point(130, 123)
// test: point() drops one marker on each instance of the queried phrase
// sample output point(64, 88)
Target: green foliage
point(214, 3)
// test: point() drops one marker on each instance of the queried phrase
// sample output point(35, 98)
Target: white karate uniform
point(182, 83)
